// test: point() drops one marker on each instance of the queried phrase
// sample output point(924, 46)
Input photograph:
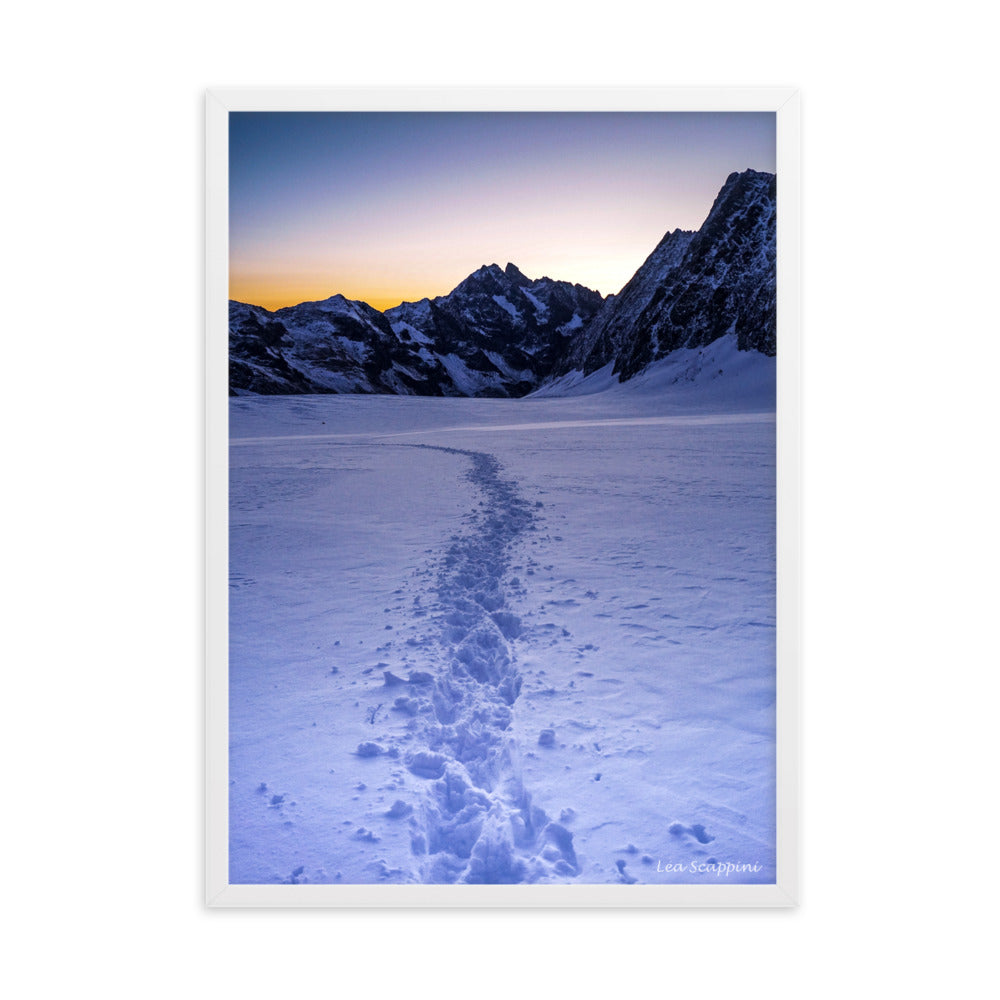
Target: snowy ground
point(507, 640)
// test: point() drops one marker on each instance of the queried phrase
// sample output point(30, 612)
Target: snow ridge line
point(477, 823)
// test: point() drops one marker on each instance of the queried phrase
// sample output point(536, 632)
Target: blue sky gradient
point(387, 207)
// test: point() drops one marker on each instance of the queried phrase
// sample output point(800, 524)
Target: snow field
point(504, 641)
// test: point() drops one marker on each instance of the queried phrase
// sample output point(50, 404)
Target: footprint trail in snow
point(476, 823)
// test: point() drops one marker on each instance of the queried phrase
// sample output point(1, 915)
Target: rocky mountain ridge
point(694, 288)
point(500, 333)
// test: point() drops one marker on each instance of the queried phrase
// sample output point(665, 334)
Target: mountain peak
point(749, 174)
point(503, 333)
point(694, 287)
point(740, 191)
point(514, 274)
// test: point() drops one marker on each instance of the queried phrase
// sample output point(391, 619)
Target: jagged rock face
point(694, 288)
point(613, 328)
point(336, 345)
point(497, 334)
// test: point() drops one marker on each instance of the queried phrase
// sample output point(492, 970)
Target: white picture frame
point(785, 103)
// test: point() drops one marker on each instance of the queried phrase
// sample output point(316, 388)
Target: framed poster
point(502, 515)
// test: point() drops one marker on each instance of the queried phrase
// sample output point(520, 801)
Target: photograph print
point(502, 499)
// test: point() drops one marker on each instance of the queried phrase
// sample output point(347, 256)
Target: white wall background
point(102, 346)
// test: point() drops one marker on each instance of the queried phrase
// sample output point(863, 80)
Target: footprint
point(623, 876)
point(696, 830)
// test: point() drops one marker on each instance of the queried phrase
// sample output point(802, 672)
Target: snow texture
point(507, 641)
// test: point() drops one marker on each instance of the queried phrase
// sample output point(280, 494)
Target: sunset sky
point(391, 207)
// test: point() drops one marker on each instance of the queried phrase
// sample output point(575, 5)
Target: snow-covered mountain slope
point(613, 326)
point(336, 345)
point(693, 288)
point(497, 333)
point(505, 329)
point(717, 375)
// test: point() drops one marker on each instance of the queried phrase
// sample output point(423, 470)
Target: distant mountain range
point(499, 333)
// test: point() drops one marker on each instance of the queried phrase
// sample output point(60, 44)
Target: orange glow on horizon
point(607, 275)
point(273, 297)
point(386, 208)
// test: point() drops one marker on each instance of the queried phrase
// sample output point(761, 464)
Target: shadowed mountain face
point(499, 333)
point(331, 346)
point(693, 288)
